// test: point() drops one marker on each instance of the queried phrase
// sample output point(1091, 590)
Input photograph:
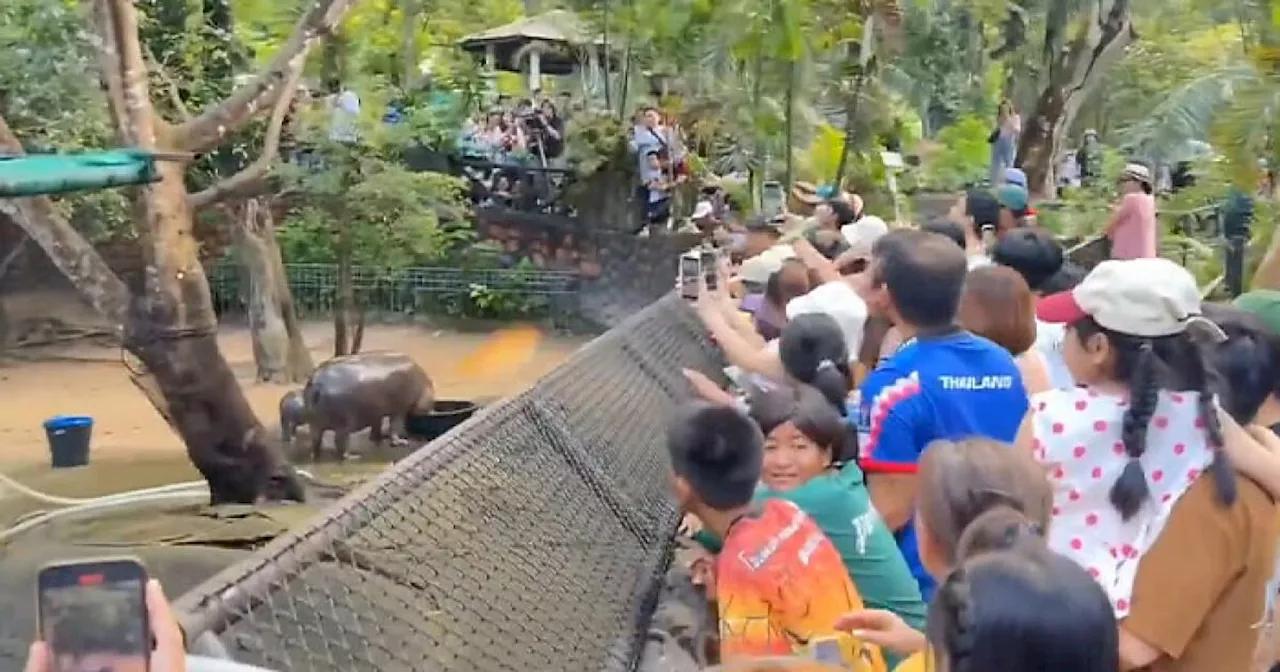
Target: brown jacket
point(1199, 593)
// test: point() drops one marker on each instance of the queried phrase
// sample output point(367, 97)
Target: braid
point(958, 636)
point(1223, 476)
point(1131, 488)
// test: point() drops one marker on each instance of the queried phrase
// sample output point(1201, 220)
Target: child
point(779, 581)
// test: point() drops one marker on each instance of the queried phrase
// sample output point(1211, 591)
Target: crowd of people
point(948, 447)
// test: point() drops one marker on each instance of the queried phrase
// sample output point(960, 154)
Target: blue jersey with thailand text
point(952, 387)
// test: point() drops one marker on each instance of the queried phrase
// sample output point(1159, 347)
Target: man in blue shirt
point(942, 383)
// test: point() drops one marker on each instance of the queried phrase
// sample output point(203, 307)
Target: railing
point(495, 293)
point(532, 537)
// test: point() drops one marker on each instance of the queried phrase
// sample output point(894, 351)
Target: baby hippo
point(348, 394)
point(293, 414)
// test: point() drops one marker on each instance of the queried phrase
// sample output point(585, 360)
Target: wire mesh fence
point(532, 537)
point(408, 292)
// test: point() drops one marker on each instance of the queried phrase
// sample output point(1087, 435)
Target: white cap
point(702, 209)
point(757, 269)
point(865, 231)
point(1147, 298)
point(838, 300)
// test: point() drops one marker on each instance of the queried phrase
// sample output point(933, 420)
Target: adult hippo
point(348, 394)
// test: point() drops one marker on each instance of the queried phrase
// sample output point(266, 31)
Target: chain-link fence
point(532, 537)
point(473, 293)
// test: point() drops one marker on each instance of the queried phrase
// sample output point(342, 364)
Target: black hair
point(924, 274)
point(983, 207)
point(1032, 252)
point(946, 228)
point(813, 351)
point(1067, 277)
point(780, 288)
point(829, 246)
point(1148, 365)
point(843, 211)
point(718, 450)
point(1021, 607)
point(809, 410)
point(1248, 361)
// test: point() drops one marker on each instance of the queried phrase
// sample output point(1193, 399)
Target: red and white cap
point(1137, 297)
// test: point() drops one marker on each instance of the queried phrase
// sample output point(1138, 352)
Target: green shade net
point(42, 174)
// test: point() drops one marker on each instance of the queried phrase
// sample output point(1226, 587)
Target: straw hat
point(1137, 172)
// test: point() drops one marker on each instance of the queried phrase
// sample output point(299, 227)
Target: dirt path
point(133, 447)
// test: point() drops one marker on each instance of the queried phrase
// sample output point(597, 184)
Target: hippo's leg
point(375, 432)
point(341, 440)
point(317, 440)
point(286, 432)
point(398, 430)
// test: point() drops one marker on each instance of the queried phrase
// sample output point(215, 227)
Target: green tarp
point(40, 174)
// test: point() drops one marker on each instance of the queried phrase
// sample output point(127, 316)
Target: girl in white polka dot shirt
point(1125, 446)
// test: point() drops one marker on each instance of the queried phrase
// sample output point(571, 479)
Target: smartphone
point(772, 198)
point(827, 651)
point(710, 263)
point(93, 615)
point(690, 274)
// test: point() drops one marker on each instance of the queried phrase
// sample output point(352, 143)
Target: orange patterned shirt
point(781, 585)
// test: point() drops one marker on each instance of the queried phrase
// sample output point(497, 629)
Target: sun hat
point(757, 269)
point(1012, 197)
point(1264, 304)
point(839, 301)
point(1148, 298)
point(1136, 172)
point(1015, 176)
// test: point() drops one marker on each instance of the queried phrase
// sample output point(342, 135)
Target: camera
point(701, 264)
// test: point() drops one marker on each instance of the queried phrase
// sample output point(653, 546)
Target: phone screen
point(710, 268)
point(690, 272)
point(828, 651)
point(93, 615)
point(772, 198)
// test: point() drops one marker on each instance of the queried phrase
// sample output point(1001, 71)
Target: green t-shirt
point(838, 502)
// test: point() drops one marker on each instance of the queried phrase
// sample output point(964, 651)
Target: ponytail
point(1131, 489)
point(1001, 527)
point(833, 383)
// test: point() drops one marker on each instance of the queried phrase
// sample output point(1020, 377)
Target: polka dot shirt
point(1077, 436)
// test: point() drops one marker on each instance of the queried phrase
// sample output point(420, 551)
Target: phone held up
point(93, 615)
point(696, 266)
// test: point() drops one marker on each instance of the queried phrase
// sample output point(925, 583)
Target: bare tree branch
point(111, 82)
point(261, 167)
point(126, 69)
point(67, 249)
point(170, 86)
point(209, 129)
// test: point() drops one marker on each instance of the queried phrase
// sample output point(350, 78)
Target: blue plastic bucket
point(69, 440)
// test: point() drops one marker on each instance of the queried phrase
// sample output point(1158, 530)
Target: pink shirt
point(1134, 236)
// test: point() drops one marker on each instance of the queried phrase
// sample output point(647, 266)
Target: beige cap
point(1138, 297)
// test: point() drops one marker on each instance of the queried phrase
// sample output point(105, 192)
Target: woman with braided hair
point(1005, 602)
point(1136, 462)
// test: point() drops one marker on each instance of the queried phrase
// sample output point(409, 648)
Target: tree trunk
point(850, 129)
point(279, 352)
point(345, 291)
point(169, 324)
point(1101, 40)
point(409, 44)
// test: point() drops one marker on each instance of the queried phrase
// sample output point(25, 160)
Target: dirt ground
point(133, 447)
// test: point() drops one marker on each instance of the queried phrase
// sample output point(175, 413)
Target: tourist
point(1132, 228)
point(1041, 261)
point(942, 383)
point(1004, 141)
point(998, 305)
point(1015, 208)
point(981, 518)
point(1148, 503)
point(779, 582)
point(978, 213)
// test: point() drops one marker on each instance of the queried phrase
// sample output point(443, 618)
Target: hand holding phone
point(103, 615)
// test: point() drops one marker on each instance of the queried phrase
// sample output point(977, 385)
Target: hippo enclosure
point(533, 537)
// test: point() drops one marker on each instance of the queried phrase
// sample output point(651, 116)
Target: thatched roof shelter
point(560, 37)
